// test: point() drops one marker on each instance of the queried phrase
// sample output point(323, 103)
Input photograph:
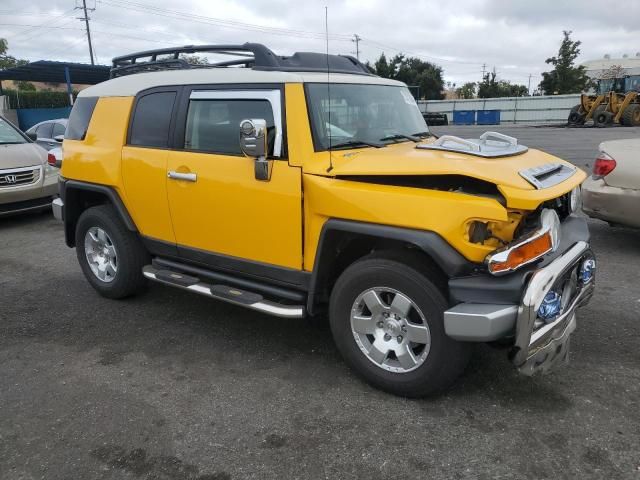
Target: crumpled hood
point(21, 155)
point(405, 159)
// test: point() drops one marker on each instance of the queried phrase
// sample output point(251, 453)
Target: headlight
point(526, 250)
point(575, 200)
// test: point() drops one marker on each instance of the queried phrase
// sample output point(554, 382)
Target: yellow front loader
point(619, 106)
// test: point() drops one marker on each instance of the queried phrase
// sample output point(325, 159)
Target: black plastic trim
point(289, 277)
point(265, 288)
point(444, 255)
point(261, 272)
point(72, 208)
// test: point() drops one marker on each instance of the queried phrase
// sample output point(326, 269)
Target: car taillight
point(604, 166)
point(51, 159)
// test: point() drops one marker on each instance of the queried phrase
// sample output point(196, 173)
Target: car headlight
point(575, 200)
point(528, 249)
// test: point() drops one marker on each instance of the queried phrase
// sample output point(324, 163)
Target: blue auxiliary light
point(587, 270)
point(550, 307)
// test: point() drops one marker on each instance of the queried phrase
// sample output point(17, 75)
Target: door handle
point(187, 177)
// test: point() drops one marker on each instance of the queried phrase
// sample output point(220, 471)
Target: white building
point(629, 65)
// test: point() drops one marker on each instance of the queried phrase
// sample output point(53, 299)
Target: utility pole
point(529, 85)
point(356, 40)
point(484, 67)
point(86, 22)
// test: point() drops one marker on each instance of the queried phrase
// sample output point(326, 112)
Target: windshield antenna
point(326, 30)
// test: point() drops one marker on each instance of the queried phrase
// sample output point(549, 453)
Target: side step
point(225, 293)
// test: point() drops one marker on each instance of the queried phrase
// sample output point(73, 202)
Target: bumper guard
point(548, 346)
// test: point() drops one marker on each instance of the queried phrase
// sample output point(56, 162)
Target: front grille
point(16, 177)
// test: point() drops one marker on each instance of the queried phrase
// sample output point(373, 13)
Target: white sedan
point(612, 193)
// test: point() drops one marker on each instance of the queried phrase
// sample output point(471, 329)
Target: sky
point(514, 37)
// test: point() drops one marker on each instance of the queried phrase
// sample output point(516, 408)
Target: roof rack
point(248, 55)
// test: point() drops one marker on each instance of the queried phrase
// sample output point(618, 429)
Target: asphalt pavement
point(169, 385)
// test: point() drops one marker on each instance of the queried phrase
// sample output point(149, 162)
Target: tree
point(195, 59)
point(466, 91)
point(25, 86)
point(6, 60)
point(490, 87)
point(565, 77)
point(414, 72)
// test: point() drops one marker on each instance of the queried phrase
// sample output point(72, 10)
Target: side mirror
point(253, 143)
point(32, 136)
point(59, 138)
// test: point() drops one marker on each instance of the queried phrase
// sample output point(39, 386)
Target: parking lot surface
point(169, 385)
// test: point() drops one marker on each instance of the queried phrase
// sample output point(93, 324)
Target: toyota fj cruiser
point(304, 184)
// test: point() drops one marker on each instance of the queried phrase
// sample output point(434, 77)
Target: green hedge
point(40, 99)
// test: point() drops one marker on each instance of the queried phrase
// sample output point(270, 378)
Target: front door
point(221, 214)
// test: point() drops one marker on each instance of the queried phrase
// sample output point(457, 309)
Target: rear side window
point(214, 125)
point(80, 117)
point(151, 120)
point(58, 129)
point(44, 130)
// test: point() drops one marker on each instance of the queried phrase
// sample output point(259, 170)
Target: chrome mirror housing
point(253, 143)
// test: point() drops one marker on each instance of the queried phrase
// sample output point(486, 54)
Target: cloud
point(515, 37)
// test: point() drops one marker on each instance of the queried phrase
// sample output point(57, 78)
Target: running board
point(251, 300)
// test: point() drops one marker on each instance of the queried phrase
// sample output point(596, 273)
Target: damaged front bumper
point(498, 308)
point(539, 345)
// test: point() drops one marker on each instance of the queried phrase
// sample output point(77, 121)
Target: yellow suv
point(305, 185)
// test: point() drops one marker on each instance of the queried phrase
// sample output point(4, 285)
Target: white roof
point(130, 85)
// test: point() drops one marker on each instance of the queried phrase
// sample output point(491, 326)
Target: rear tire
point(362, 335)
point(110, 255)
point(631, 115)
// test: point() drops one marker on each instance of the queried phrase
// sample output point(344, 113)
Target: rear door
point(222, 215)
point(144, 163)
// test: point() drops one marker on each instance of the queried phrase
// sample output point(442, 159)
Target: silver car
point(27, 181)
point(48, 134)
point(613, 191)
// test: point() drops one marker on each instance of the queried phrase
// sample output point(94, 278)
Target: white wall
point(546, 109)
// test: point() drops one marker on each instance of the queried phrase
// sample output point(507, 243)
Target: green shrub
point(40, 99)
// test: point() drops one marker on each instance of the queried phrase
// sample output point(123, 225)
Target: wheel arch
point(78, 196)
point(342, 242)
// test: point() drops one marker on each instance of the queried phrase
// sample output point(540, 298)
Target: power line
point(175, 14)
point(46, 24)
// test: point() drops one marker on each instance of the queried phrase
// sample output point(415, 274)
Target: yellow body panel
point(97, 158)
point(405, 159)
point(299, 143)
point(443, 212)
point(144, 172)
point(228, 211)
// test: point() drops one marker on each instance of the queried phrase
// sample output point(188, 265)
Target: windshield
point(362, 115)
point(8, 134)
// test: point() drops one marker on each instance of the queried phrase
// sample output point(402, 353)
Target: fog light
point(587, 270)
point(550, 306)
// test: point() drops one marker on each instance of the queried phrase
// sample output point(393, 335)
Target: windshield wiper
point(357, 143)
point(397, 136)
point(425, 134)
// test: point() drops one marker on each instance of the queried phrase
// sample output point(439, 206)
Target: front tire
point(387, 321)
point(110, 255)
